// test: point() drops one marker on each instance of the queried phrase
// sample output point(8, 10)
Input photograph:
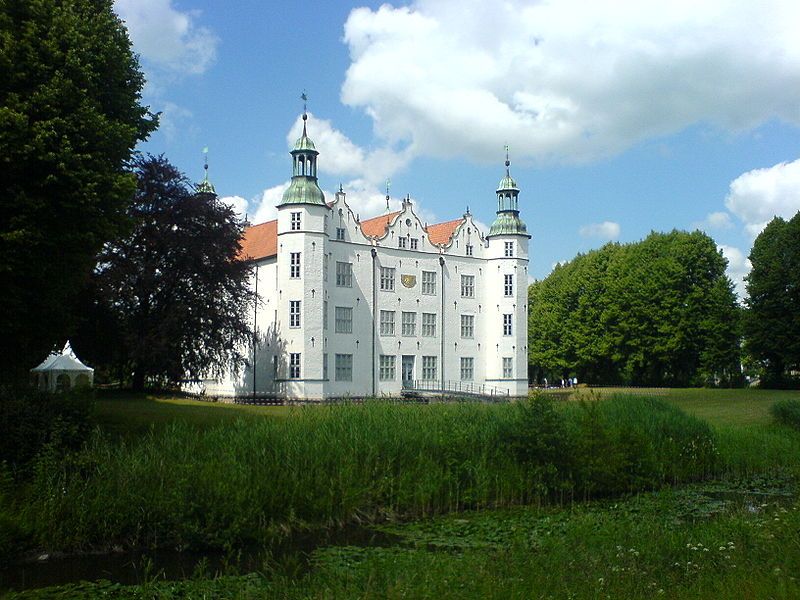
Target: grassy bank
point(186, 485)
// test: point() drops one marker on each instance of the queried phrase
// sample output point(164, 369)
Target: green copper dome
point(304, 143)
point(507, 183)
point(303, 190)
point(205, 187)
point(508, 223)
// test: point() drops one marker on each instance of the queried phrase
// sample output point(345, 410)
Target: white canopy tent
point(62, 371)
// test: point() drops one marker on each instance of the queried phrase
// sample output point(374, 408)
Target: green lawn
point(717, 406)
point(129, 414)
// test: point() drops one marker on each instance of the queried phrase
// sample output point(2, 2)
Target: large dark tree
point(657, 312)
point(70, 116)
point(173, 292)
point(772, 323)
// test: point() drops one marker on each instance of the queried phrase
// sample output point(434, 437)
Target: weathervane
point(508, 162)
point(388, 183)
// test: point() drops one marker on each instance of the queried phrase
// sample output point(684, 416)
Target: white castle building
point(370, 308)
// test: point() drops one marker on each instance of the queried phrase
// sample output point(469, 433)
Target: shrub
point(31, 420)
point(787, 412)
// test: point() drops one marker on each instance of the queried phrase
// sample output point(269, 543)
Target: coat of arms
point(409, 281)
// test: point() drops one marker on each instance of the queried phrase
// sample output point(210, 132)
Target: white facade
point(349, 308)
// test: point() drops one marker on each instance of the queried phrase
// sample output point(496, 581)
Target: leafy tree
point(174, 289)
point(772, 322)
point(70, 116)
point(657, 312)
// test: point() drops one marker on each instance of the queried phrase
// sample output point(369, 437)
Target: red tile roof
point(376, 226)
point(260, 241)
point(440, 233)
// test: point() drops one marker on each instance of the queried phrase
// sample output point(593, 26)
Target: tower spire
point(205, 186)
point(388, 183)
point(304, 98)
point(508, 221)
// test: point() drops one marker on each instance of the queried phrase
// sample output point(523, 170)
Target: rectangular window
point(294, 265)
point(508, 367)
point(274, 367)
point(340, 233)
point(429, 282)
point(387, 279)
point(294, 313)
point(508, 286)
point(507, 324)
point(509, 249)
point(294, 365)
point(467, 326)
point(401, 242)
point(429, 324)
point(324, 314)
point(414, 243)
point(467, 368)
point(469, 249)
point(386, 371)
point(344, 274)
point(409, 322)
point(344, 319)
point(325, 261)
point(468, 286)
point(429, 368)
point(295, 218)
point(387, 322)
point(344, 367)
point(325, 365)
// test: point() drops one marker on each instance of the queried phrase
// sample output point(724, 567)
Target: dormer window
point(414, 243)
point(401, 242)
point(340, 233)
point(469, 249)
point(295, 221)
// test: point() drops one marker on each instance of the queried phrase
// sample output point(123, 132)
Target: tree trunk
point(138, 380)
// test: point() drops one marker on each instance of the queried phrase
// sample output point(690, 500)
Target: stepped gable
point(260, 241)
point(441, 233)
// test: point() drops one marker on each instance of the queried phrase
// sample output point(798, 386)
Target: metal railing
point(452, 388)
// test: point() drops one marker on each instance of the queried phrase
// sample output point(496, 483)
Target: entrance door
point(407, 369)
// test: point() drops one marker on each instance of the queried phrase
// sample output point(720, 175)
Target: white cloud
point(761, 194)
point(568, 80)
point(607, 230)
point(176, 122)
point(264, 207)
point(237, 203)
point(738, 267)
point(166, 38)
point(345, 158)
point(714, 220)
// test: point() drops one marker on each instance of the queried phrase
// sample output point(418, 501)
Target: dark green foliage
point(70, 116)
point(172, 296)
point(658, 312)
point(787, 412)
point(31, 421)
point(772, 323)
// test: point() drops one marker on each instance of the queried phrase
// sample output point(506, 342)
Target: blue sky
point(622, 117)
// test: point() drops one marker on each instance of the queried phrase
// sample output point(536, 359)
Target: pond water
point(137, 567)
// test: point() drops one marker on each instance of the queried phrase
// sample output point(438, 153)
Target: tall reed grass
point(330, 465)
